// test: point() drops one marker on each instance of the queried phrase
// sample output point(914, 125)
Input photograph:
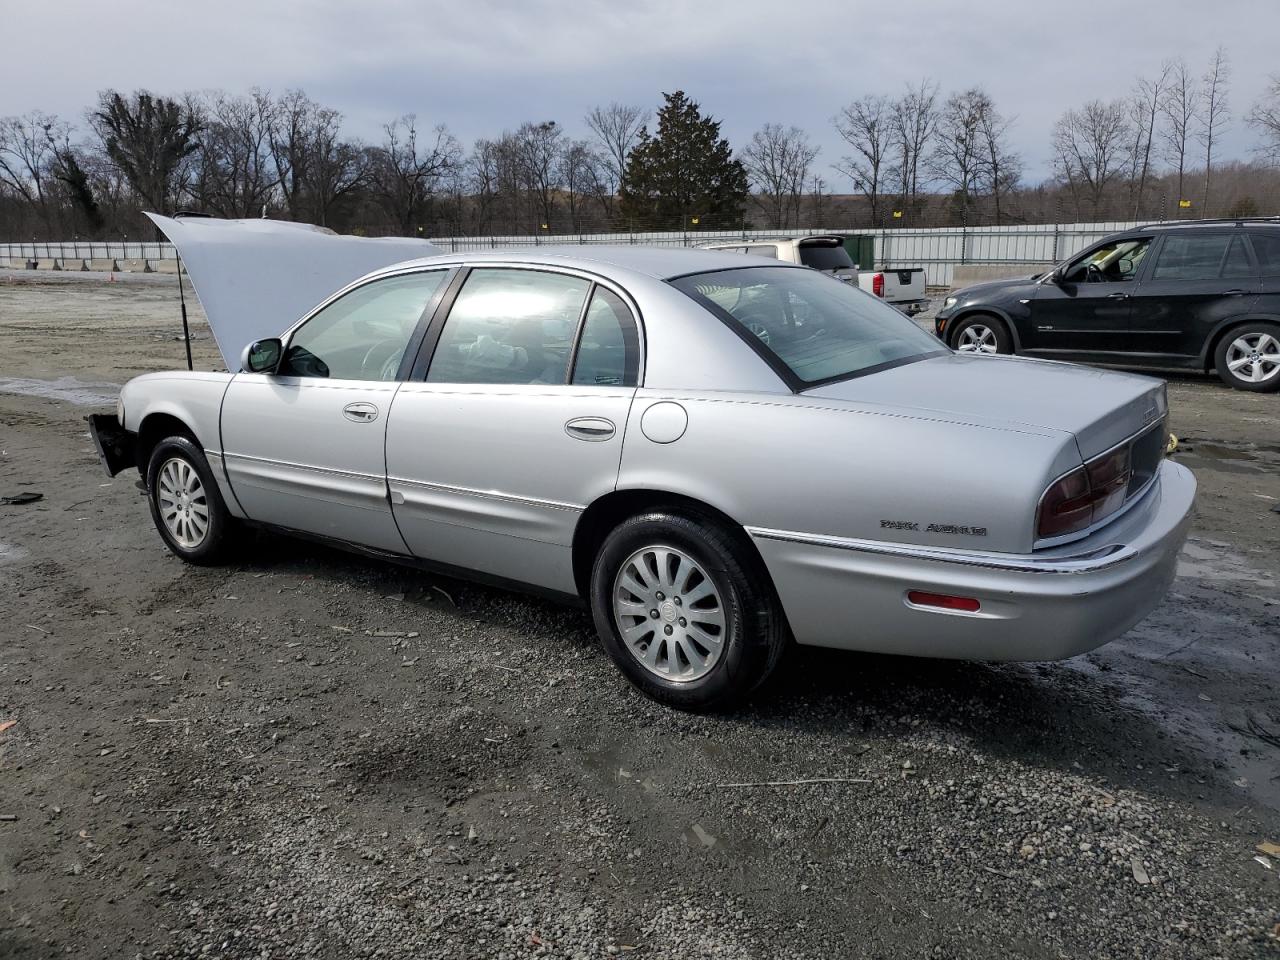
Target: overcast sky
point(480, 66)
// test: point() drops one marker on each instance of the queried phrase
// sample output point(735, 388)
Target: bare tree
point(316, 168)
point(405, 174)
point(579, 174)
point(865, 126)
point(148, 138)
point(1091, 148)
point(914, 121)
point(957, 155)
point(1180, 108)
point(1144, 111)
point(236, 176)
point(617, 129)
point(1001, 166)
point(1265, 118)
point(538, 152)
point(778, 160)
point(1213, 112)
point(28, 158)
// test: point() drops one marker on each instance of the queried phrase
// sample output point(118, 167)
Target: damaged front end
point(116, 445)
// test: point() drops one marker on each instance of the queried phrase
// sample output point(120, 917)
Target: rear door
point(1199, 278)
point(1086, 309)
point(513, 422)
point(304, 447)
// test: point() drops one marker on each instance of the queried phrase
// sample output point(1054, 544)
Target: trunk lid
point(1099, 408)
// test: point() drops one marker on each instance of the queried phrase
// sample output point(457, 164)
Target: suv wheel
point(981, 334)
point(1248, 357)
point(686, 621)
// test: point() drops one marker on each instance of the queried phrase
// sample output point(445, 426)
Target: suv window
point(763, 250)
point(824, 257)
point(1112, 262)
point(608, 349)
point(1205, 256)
point(510, 326)
point(363, 334)
point(1266, 247)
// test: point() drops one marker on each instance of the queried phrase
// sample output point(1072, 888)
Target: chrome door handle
point(360, 412)
point(1117, 296)
point(590, 428)
point(1233, 293)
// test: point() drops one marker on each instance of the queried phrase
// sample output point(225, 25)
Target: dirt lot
point(312, 754)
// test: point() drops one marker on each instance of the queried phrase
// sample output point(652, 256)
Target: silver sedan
point(717, 456)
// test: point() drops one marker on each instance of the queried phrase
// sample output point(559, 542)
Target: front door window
point(1117, 261)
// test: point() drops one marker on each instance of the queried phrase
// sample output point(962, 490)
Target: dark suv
point(1201, 294)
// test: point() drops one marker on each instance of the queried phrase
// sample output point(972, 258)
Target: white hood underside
point(256, 278)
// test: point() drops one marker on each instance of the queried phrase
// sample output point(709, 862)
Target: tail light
point(877, 284)
point(1086, 495)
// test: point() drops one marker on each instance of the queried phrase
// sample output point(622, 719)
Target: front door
point(1198, 280)
point(1085, 307)
point(517, 424)
point(305, 447)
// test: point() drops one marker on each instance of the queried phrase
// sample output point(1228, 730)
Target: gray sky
point(480, 66)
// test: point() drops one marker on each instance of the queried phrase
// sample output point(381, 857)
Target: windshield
point(811, 325)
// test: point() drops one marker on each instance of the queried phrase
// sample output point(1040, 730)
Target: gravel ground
point(309, 754)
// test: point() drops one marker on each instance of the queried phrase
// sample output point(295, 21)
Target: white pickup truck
point(904, 289)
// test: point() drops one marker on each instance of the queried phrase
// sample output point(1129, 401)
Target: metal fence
point(939, 250)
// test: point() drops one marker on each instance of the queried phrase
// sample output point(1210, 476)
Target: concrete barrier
point(967, 274)
point(163, 266)
point(135, 266)
point(75, 264)
point(105, 265)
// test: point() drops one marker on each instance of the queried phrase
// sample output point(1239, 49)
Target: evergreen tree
point(685, 171)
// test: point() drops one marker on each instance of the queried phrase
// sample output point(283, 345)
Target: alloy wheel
point(977, 338)
point(1254, 357)
point(184, 508)
point(669, 613)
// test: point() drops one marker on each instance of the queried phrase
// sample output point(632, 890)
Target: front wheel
point(685, 619)
point(981, 334)
point(186, 506)
point(1248, 357)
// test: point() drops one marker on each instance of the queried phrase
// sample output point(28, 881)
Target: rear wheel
point(1248, 357)
point(683, 618)
point(186, 507)
point(981, 334)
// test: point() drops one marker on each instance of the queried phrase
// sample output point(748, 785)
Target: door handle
point(1117, 296)
point(1234, 293)
point(360, 412)
point(590, 428)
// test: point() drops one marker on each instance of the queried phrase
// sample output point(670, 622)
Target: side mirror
point(262, 356)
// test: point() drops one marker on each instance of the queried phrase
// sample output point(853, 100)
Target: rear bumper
point(116, 445)
point(1045, 606)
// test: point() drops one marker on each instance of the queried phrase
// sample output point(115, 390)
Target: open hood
point(255, 278)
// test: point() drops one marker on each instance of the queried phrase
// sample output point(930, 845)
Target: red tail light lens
point(1086, 495)
point(877, 284)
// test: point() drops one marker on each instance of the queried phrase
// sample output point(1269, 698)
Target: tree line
point(918, 158)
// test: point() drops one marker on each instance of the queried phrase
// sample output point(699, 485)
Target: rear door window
point(1266, 247)
point(1203, 257)
point(608, 352)
point(510, 326)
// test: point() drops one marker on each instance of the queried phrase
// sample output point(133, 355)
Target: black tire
point(221, 530)
point(1230, 344)
point(1000, 332)
point(754, 634)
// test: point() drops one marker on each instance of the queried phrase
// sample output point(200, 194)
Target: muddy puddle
point(69, 389)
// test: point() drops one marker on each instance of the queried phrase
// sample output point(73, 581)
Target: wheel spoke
point(1234, 365)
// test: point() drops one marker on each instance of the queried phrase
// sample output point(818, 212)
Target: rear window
point(825, 258)
point(1202, 257)
point(811, 328)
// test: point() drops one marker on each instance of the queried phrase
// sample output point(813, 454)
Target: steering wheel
point(384, 357)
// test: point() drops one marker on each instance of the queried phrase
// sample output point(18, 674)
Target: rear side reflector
point(943, 601)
